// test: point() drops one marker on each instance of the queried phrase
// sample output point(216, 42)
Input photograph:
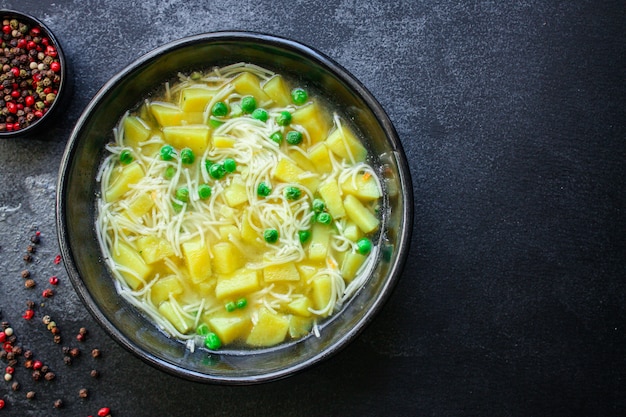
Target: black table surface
point(512, 301)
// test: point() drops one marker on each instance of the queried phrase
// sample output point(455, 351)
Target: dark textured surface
point(513, 300)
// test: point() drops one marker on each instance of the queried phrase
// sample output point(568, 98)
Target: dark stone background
point(512, 302)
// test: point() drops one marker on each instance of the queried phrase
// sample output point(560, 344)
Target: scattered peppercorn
point(15, 386)
point(30, 395)
point(47, 293)
point(25, 273)
point(28, 354)
point(30, 249)
point(58, 403)
point(30, 304)
point(2, 403)
point(75, 352)
point(36, 375)
point(95, 353)
point(29, 283)
point(67, 360)
point(28, 258)
point(53, 280)
point(35, 238)
point(49, 376)
point(94, 373)
point(83, 393)
point(104, 411)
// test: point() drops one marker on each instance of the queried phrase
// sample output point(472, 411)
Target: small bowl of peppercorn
point(33, 75)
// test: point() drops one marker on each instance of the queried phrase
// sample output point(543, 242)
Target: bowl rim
point(403, 238)
point(63, 90)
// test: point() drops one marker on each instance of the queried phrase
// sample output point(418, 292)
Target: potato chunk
point(226, 258)
point(164, 287)
point(364, 187)
point(195, 137)
point(229, 329)
point(276, 88)
point(299, 326)
point(351, 264)
point(282, 272)
point(130, 174)
point(311, 117)
point(300, 306)
point(320, 242)
point(135, 131)
point(269, 330)
point(154, 249)
point(242, 281)
point(180, 322)
point(195, 98)
point(322, 291)
point(360, 214)
point(166, 114)
point(331, 194)
point(128, 257)
point(248, 84)
point(344, 144)
point(197, 259)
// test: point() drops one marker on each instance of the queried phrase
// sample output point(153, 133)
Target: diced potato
point(269, 330)
point(276, 88)
point(240, 282)
point(363, 187)
point(344, 144)
point(197, 259)
point(130, 174)
point(352, 231)
point(299, 326)
point(320, 242)
point(226, 257)
point(331, 194)
point(300, 306)
point(322, 291)
point(195, 98)
point(195, 137)
point(281, 272)
point(128, 257)
point(135, 131)
point(180, 322)
point(319, 156)
point(192, 118)
point(287, 171)
point(228, 231)
point(249, 84)
point(312, 118)
point(223, 141)
point(302, 160)
point(359, 214)
point(166, 114)
point(248, 233)
point(351, 264)
point(306, 270)
point(229, 329)
point(164, 287)
point(139, 205)
point(236, 194)
point(154, 249)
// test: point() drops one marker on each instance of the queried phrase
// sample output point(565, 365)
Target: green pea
point(294, 137)
point(177, 206)
point(304, 235)
point(220, 109)
point(242, 303)
point(202, 329)
point(248, 104)
point(277, 137)
point(299, 96)
point(230, 306)
point(284, 118)
point(263, 190)
point(363, 246)
point(182, 194)
point(292, 193)
point(212, 341)
point(319, 205)
point(270, 235)
point(187, 157)
point(260, 114)
point(207, 164)
point(126, 157)
point(324, 218)
point(215, 123)
point(170, 172)
point(204, 191)
point(230, 165)
point(167, 152)
point(217, 171)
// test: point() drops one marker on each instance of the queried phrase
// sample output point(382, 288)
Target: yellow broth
point(237, 211)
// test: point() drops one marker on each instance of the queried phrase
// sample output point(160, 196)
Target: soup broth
point(237, 208)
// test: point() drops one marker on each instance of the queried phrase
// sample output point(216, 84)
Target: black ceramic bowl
point(77, 190)
point(52, 111)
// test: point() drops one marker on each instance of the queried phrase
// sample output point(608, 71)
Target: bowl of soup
point(234, 207)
